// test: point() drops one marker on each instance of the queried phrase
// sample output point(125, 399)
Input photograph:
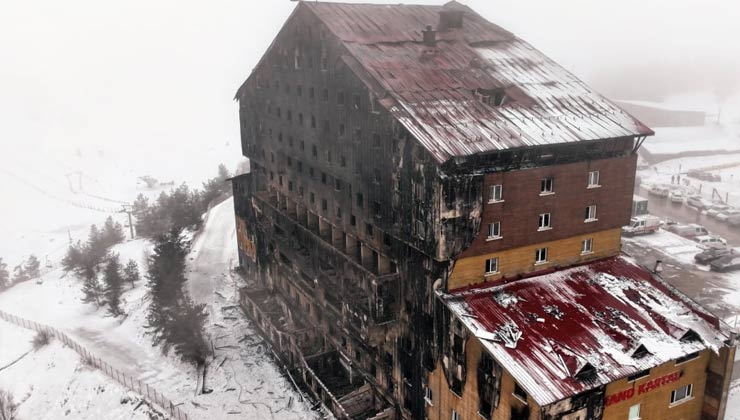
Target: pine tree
point(92, 289)
point(113, 285)
point(166, 277)
point(4, 275)
point(186, 332)
point(73, 259)
point(223, 173)
point(131, 273)
point(111, 234)
point(32, 267)
point(96, 248)
point(20, 274)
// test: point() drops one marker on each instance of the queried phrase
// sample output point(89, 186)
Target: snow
point(53, 383)
point(243, 376)
point(671, 245)
point(733, 402)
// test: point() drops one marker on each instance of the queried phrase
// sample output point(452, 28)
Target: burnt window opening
point(310, 171)
point(324, 62)
point(313, 121)
point(341, 129)
point(272, 157)
point(376, 175)
point(337, 184)
point(303, 145)
point(376, 140)
point(325, 95)
point(360, 200)
point(358, 135)
point(339, 212)
point(278, 112)
point(352, 220)
point(376, 209)
point(323, 178)
point(340, 98)
point(311, 93)
point(297, 58)
point(280, 137)
point(314, 151)
point(386, 239)
point(369, 230)
point(300, 118)
point(312, 198)
point(492, 97)
point(300, 166)
point(324, 204)
point(289, 115)
point(290, 162)
point(290, 141)
point(487, 383)
point(520, 393)
point(638, 375)
point(356, 101)
point(342, 161)
point(310, 62)
point(290, 185)
point(328, 156)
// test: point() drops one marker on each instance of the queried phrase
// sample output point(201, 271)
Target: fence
point(135, 385)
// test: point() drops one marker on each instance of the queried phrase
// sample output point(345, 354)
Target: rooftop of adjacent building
point(462, 85)
point(570, 331)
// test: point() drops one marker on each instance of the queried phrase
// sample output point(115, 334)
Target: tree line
point(26, 270)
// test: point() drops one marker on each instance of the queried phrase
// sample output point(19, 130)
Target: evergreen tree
point(96, 248)
point(131, 273)
point(4, 275)
point(32, 267)
point(166, 276)
point(92, 289)
point(113, 285)
point(112, 233)
point(73, 259)
point(223, 173)
point(20, 274)
point(186, 332)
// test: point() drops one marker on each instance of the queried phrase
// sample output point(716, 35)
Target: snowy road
point(213, 253)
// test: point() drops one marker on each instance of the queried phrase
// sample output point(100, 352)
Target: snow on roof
point(563, 333)
point(437, 92)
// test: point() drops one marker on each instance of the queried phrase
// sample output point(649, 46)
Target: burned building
point(407, 157)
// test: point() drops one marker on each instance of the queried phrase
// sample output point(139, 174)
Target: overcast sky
point(161, 74)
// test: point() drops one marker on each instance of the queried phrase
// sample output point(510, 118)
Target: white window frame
point(587, 246)
point(547, 186)
point(545, 217)
point(492, 266)
point(455, 415)
point(594, 179)
point(496, 193)
point(428, 395)
point(591, 214)
point(632, 415)
point(687, 396)
point(494, 231)
point(537, 256)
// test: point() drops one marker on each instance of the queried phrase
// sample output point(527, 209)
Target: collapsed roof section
point(584, 327)
point(467, 86)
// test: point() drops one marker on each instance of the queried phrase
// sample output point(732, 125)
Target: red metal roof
point(431, 90)
point(545, 329)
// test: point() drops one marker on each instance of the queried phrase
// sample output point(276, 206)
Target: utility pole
point(127, 208)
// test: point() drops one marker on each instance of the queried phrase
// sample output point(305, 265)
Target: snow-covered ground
point(243, 377)
point(733, 402)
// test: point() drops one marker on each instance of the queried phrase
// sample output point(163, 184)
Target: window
point(340, 98)
point(323, 178)
point(593, 179)
point(376, 140)
point(492, 266)
point(681, 394)
point(591, 213)
point(544, 223)
point(547, 186)
point(496, 193)
point(638, 375)
point(520, 393)
point(540, 256)
point(455, 416)
point(369, 229)
point(339, 212)
point(341, 129)
point(325, 95)
point(313, 121)
point(587, 246)
point(312, 198)
point(428, 396)
point(352, 220)
point(376, 175)
point(634, 412)
point(324, 204)
point(356, 101)
point(684, 359)
point(376, 208)
point(494, 230)
point(311, 92)
point(337, 184)
point(360, 200)
point(314, 151)
point(342, 161)
point(420, 229)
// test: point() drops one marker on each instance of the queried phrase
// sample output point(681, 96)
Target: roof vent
point(640, 352)
point(450, 19)
point(430, 36)
point(690, 336)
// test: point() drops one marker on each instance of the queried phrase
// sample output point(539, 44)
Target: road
point(663, 207)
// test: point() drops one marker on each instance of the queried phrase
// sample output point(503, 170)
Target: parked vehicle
point(716, 209)
point(706, 241)
point(676, 196)
point(725, 215)
point(689, 231)
point(639, 206)
point(704, 176)
point(696, 202)
point(726, 263)
point(659, 191)
point(711, 254)
point(642, 225)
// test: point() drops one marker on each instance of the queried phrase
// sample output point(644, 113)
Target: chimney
point(450, 19)
point(430, 36)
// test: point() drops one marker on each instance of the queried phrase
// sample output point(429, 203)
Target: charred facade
point(401, 153)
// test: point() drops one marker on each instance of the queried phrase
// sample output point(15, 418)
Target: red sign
point(643, 388)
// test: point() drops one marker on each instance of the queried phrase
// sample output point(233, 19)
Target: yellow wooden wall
point(655, 404)
point(516, 261)
point(444, 400)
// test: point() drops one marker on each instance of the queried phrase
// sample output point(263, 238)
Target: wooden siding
point(519, 261)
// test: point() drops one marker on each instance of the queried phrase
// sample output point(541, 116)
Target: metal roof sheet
point(432, 90)
point(596, 314)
